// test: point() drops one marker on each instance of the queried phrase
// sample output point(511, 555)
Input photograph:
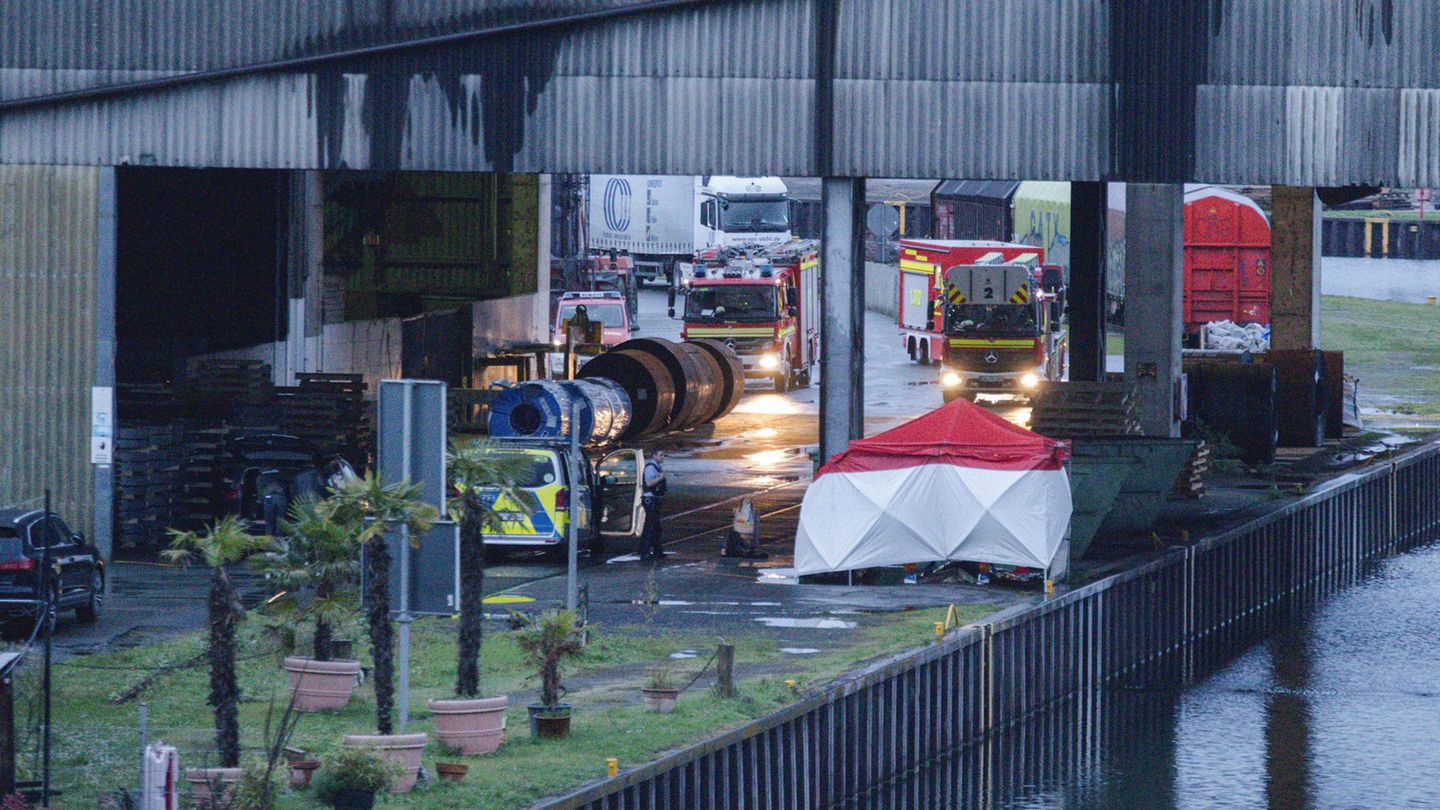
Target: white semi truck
point(663, 220)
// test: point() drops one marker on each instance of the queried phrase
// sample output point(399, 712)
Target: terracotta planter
point(470, 727)
point(321, 685)
point(402, 749)
point(451, 771)
point(300, 772)
point(210, 787)
point(660, 700)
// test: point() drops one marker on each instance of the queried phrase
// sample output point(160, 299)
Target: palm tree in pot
point(225, 542)
point(316, 565)
point(368, 505)
point(485, 479)
point(546, 641)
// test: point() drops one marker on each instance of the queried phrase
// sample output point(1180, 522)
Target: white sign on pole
point(102, 425)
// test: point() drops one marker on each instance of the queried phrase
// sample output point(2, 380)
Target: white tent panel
point(932, 512)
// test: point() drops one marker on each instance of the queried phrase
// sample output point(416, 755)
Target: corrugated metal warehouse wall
point(1319, 92)
point(49, 236)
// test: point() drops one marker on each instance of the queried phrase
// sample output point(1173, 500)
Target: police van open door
point(621, 485)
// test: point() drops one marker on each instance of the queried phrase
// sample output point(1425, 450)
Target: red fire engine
point(764, 303)
point(923, 263)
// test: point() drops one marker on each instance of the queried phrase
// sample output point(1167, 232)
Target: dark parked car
point(79, 572)
point(277, 468)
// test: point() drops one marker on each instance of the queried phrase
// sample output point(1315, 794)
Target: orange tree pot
point(401, 749)
point(321, 685)
point(470, 727)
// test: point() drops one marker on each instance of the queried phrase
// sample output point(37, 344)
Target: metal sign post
point(577, 480)
point(412, 411)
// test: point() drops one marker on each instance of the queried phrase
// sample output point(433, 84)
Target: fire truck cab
point(763, 302)
point(1001, 324)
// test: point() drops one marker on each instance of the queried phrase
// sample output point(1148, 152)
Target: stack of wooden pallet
point(217, 385)
point(1065, 409)
point(147, 402)
point(1191, 483)
point(148, 461)
point(329, 411)
point(468, 410)
point(206, 479)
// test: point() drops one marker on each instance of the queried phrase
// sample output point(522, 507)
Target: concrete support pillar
point(1154, 272)
point(842, 314)
point(305, 248)
point(1088, 203)
point(102, 532)
point(1295, 268)
point(542, 260)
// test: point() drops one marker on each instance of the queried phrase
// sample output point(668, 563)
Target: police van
point(609, 485)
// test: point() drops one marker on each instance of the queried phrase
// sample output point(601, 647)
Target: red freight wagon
point(1227, 259)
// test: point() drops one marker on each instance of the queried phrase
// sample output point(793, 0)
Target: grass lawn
point(96, 740)
point(1393, 349)
point(1410, 215)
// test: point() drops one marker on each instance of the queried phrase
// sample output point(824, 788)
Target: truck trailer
point(663, 221)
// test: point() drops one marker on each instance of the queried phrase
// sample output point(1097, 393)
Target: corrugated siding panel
point(186, 35)
point(978, 130)
point(975, 40)
point(48, 244)
point(1283, 91)
point(986, 89)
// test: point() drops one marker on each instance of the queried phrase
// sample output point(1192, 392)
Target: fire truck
point(1002, 329)
point(763, 302)
point(922, 280)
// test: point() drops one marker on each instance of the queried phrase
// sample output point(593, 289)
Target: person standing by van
point(653, 479)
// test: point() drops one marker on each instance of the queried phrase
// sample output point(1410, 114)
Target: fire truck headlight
point(950, 380)
point(769, 361)
point(1029, 381)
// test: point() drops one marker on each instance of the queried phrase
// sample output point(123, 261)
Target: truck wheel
point(782, 381)
point(924, 353)
point(802, 380)
point(911, 348)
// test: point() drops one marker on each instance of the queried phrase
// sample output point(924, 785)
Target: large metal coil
point(712, 395)
point(646, 382)
point(695, 387)
point(732, 377)
point(545, 409)
point(605, 409)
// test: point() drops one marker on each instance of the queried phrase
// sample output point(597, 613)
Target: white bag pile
point(1228, 336)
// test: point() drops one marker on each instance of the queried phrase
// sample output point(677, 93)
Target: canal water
point(1340, 709)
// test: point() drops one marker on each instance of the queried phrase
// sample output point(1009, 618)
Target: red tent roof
point(960, 433)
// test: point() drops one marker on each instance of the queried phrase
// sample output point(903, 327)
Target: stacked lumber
point(148, 460)
point(1191, 483)
point(221, 384)
point(1066, 409)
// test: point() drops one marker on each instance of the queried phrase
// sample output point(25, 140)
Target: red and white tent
point(959, 483)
